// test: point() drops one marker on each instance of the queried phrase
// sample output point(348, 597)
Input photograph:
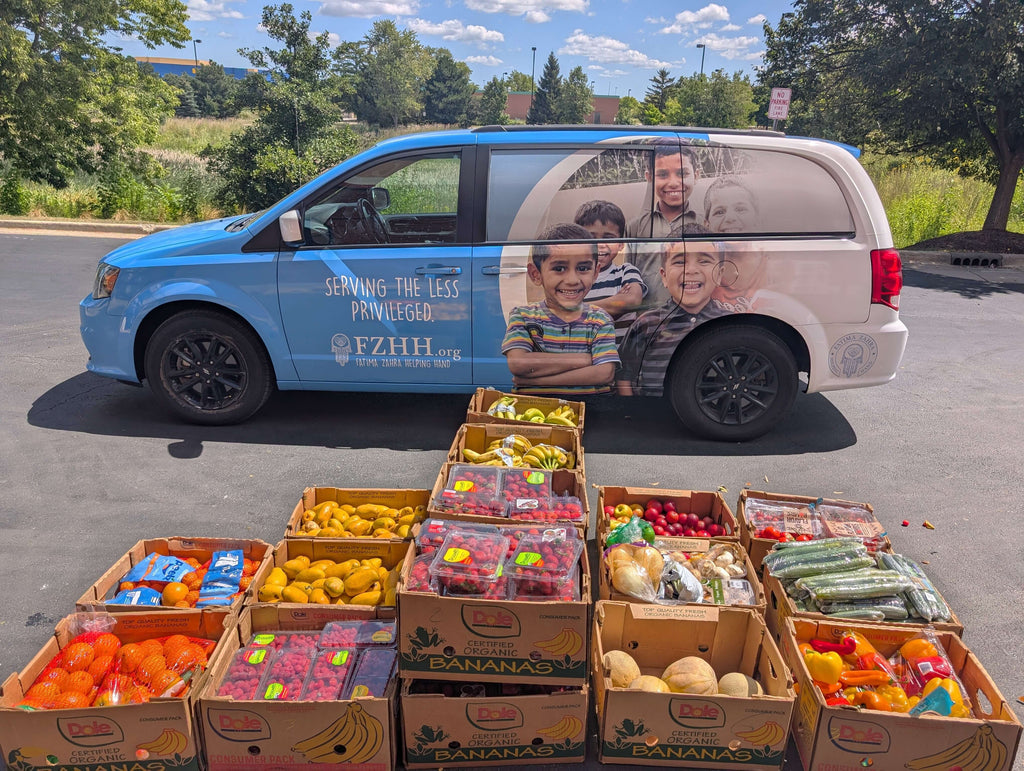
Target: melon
point(622, 669)
point(739, 684)
point(649, 683)
point(690, 674)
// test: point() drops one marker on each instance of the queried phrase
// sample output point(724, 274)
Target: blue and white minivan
point(723, 270)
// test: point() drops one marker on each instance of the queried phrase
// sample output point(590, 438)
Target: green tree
point(519, 81)
point(660, 89)
point(390, 68)
point(650, 115)
point(215, 92)
point(576, 99)
point(184, 86)
point(293, 137)
point(716, 100)
point(629, 113)
point(448, 92)
point(941, 77)
point(493, 101)
point(69, 100)
point(544, 108)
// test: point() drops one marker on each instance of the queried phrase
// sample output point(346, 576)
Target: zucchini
point(828, 563)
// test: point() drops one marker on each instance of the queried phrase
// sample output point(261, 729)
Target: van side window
point(407, 200)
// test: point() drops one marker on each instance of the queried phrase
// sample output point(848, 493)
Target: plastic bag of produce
point(635, 570)
point(637, 530)
point(678, 584)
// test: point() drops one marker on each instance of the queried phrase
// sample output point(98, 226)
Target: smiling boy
point(562, 344)
point(688, 274)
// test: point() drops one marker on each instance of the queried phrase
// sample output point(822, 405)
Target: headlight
point(106, 277)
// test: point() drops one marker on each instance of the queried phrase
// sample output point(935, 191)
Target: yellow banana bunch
point(566, 728)
point(562, 416)
point(769, 733)
point(514, 442)
point(501, 455)
point(980, 752)
point(359, 734)
point(531, 415)
point(505, 407)
point(547, 456)
point(170, 742)
point(568, 642)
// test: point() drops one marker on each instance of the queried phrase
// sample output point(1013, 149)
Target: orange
point(191, 580)
point(192, 561)
point(174, 592)
point(151, 647)
point(71, 700)
point(163, 681)
point(130, 656)
point(174, 642)
point(249, 567)
point(125, 586)
point(187, 658)
point(77, 656)
point(150, 667)
point(137, 694)
point(106, 644)
point(100, 666)
point(54, 675)
point(192, 598)
point(107, 698)
point(117, 683)
point(80, 682)
point(43, 691)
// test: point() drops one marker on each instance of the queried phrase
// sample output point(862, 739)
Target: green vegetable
point(840, 561)
point(877, 583)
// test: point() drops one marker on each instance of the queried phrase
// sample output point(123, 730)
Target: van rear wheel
point(733, 384)
point(207, 368)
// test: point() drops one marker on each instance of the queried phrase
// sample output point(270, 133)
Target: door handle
point(439, 270)
point(497, 270)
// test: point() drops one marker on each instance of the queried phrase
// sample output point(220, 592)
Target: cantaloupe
point(739, 684)
point(690, 674)
point(649, 683)
point(622, 669)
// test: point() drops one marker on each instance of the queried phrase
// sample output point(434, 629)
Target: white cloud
point(205, 10)
point(452, 29)
point(535, 11)
point(367, 9)
point(486, 61)
point(225, 35)
point(730, 47)
point(758, 20)
point(702, 19)
point(730, 28)
point(608, 50)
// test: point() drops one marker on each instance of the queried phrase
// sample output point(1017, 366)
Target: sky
point(620, 44)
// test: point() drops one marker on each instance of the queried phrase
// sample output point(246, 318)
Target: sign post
point(778, 107)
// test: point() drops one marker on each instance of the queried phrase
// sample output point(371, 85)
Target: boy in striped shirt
point(561, 344)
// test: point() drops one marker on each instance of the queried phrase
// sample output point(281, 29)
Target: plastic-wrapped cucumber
point(841, 561)
point(924, 600)
point(794, 549)
point(858, 614)
point(788, 559)
point(891, 608)
point(878, 583)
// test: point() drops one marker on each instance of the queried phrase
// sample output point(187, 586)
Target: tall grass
point(191, 135)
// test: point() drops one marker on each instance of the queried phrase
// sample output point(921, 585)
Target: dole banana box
point(455, 638)
point(748, 593)
point(699, 502)
point(832, 737)
point(288, 553)
point(154, 736)
point(239, 735)
point(477, 438)
point(484, 398)
point(750, 522)
point(781, 607)
point(447, 724)
point(96, 596)
point(396, 499)
point(683, 730)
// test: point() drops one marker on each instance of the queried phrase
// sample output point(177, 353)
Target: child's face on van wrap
point(688, 273)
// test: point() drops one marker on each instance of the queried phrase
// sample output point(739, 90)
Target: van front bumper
point(109, 345)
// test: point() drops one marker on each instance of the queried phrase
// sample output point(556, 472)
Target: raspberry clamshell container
point(357, 634)
point(286, 675)
point(553, 508)
point(247, 668)
point(328, 674)
point(376, 662)
point(277, 641)
point(469, 562)
point(368, 686)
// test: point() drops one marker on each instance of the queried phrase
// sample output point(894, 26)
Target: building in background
point(165, 66)
point(605, 107)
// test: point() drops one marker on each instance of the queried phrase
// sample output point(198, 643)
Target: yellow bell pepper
point(953, 689)
point(896, 696)
point(824, 667)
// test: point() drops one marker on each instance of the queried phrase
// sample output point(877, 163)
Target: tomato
point(803, 537)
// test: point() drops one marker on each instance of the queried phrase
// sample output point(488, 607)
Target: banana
point(567, 727)
point(356, 734)
point(558, 420)
point(532, 413)
point(769, 733)
point(567, 642)
point(169, 742)
point(554, 643)
point(514, 442)
point(980, 752)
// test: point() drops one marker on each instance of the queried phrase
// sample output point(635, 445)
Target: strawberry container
point(467, 478)
point(495, 590)
point(420, 578)
point(286, 675)
point(545, 566)
point(358, 634)
point(469, 562)
point(433, 531)
point(242, 680)
point(326, 678)
point(477, 504)
point(549, 509)
point(515, 533)
point(526, 483)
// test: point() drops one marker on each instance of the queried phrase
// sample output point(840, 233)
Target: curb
point(85, 225)
point(963, 259)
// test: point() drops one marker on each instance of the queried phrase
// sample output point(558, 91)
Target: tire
point(235, 381)
point(732, 384)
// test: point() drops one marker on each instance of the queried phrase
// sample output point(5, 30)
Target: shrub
point(14, 197)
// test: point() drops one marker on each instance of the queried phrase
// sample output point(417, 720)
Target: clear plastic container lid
point(357, 634)
point(794, 518)
point(420, 578)
point(546, 588)
point(490, 590)
point(527, 483)
point(327, 675)
point(286, 675)
point(242, 680)
point(376, 662)
point(547, 556)
point(467, 478)
point(851, 521)
point(469, 562)
point(433, 531)
point(367, 686)
point(554, 508)
point(488, 503)
point(284, 640)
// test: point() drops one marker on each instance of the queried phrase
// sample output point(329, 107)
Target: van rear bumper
point(858, 355)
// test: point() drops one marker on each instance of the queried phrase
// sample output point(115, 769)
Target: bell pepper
point(844, 647)
point(895, 695)
point(918, 648)
point(871, 700)
point(867, 657)
point(837, 701)
point(931, 667)
point(865, 677)
point(953, 689)
point(824, 667)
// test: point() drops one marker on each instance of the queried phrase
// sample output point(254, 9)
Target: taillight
point(886, 277)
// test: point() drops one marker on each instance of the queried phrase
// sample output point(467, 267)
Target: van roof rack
point(517, 128)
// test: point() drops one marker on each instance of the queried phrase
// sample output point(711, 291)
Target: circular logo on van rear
point(852, 355)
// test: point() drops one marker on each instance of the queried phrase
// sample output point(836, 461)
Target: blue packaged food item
point(143, 595)
point(221, 581)
point(158, 567)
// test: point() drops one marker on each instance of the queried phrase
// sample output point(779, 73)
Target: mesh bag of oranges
point(169, 581)
point(96, 668)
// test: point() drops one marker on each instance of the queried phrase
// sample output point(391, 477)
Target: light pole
point(195, 52)
point(702, 50)
point(533, 73)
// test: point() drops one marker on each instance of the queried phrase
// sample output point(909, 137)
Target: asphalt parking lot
point(89, 466)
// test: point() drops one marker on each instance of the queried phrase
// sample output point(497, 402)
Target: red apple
point(609, 511)
point(671, 516)
point(707, 521)
point(688, 532)
point(650, 515)
point(659, 530)
point(655, 504)
point(661, 521)
point(674, 528)
point(668, 506)
point(692, 520)
point(702, 534)
point(716, 530)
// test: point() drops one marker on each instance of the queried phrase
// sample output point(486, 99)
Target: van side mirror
point(380, 198)
point(291, 228)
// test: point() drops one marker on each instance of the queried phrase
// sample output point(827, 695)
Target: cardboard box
point(686, 501)
point(312, 496)
point(758, 547)
point(199, 548)
point(609, 592)
point(390, 551)
point(781, 607)
point(845, 737)
point(564, 482)
point(110, 737)
point(485, 397)
point(476, 437)
point(451, 731)
point(686, 730)
point(241, 735)
point(452, 638)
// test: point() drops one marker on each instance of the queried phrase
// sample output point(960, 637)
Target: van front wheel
point(732, 384)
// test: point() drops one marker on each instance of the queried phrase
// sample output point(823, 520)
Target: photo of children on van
point(562, 344)
point(731, 207)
